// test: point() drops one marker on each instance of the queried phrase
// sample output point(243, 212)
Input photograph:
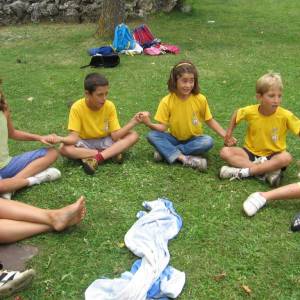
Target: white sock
point(32, 181)
point(245, 172)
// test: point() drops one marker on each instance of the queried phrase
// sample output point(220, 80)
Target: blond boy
point(264, 151)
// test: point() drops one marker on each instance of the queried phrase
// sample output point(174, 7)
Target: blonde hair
point(268, 81)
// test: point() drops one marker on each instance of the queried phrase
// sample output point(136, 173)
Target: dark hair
point(182, 67)
point(3, 104)
point(93, 80)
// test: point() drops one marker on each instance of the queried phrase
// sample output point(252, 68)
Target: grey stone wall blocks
point(24, 11)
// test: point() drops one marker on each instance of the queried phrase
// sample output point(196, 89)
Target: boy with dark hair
point(95, 132)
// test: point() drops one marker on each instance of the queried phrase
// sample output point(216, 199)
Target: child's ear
point(258, 96)
point(87, 94)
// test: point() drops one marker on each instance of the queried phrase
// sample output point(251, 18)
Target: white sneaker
point(13, 281)
point(259, 160)
point(195, 162)
point(274, 178)
point(6, 196)
point(253, 204)
point(49, 174)
point(157, 157)
point(230, 172)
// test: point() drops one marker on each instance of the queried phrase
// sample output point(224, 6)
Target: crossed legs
point(19, 220)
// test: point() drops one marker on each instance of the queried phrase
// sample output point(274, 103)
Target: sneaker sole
point(87, 169)
point(17, 284)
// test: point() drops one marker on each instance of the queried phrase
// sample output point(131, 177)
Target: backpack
point(152, 51)
point(143, 35)
point(106, 61)
point(123, 39)
point(105, 50)
point(166, 48)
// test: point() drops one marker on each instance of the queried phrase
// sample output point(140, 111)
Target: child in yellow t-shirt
point(178, 135)
point(264, 151)
point(95, 132)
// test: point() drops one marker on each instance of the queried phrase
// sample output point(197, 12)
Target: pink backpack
point(152, 51)
point(169, 48)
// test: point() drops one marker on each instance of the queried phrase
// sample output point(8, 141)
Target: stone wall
point(24, 11)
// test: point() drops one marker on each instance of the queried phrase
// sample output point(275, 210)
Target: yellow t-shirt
point(183, 117)
point(267, 134)
point(91, 124)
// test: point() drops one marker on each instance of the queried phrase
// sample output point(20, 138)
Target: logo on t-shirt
point(195, 120)
point(274, 135)
point(106, 127)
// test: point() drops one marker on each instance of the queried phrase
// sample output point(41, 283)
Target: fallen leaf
point(30, 99)
point(246, 289)
point(220, 277)
point(121, 245)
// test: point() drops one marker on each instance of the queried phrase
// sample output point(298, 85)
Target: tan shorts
point(98, 144)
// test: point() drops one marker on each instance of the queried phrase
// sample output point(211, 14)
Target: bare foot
point(68, 215)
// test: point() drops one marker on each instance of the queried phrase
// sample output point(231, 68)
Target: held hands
point(230, 141)
point(144, 117)
point(50, 139)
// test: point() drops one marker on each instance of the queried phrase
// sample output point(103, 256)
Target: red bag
point(143, 35)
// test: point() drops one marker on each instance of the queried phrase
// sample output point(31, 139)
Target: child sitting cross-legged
point(95, 132)
point(264, 153)
point(178, 135)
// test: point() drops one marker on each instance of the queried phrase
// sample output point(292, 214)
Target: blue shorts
point(19, 162)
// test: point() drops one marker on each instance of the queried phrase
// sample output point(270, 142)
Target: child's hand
point(50, 139)
point(145, 117)
point(230, 141)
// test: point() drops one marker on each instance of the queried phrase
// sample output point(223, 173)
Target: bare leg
point(237, 157)
point(12, 184)
point(119, 146)
point(20, 180)
point(286, 192)
point(39, 164)
point(73, 152)
point(277, 162)
point(19, 220)
point(12, 231)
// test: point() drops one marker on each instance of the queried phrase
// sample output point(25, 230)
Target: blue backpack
point(123, 39)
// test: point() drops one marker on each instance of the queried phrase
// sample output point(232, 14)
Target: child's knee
point(287, 159)
point(134, 136)
point(152, 135)
point(64, 150)
point(225, 152)
point(53, 153)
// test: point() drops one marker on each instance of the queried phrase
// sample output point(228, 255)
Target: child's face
point(271, 99)
point(97, 99)
point(185, 84)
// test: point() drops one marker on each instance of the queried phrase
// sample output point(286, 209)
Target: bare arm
point(120, 133)
point(228, 140)
point(70, 139)
point(145, 118)
point(215, 126)
point(16, 134)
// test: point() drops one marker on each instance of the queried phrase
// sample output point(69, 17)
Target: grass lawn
point(247, 39)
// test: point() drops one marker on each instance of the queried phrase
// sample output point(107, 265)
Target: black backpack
point(106, 61)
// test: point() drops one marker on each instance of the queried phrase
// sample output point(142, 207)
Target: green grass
point(247, 39)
